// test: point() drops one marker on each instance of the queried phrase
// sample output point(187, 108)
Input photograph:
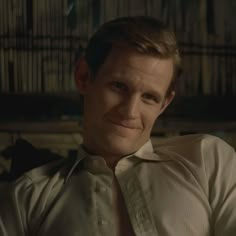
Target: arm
point(221, 170)
point(11, 222)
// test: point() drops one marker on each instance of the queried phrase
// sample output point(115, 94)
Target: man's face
point(123, 101)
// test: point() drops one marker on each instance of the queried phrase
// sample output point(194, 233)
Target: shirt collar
point(146, 152)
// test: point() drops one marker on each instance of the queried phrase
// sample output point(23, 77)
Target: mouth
point(124, 124)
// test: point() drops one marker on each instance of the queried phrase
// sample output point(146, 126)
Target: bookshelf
point(57, 113)
point(40, 41)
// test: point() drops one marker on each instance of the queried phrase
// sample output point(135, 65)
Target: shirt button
point(103, 189)
point(102, 222)
point(100, 189)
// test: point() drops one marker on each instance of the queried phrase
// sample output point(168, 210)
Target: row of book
point(36, 71)
point(52, 71)
point(39, 40)
point(211, 74)
point(82, 17)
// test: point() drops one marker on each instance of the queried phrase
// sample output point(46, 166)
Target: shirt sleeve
point(24, 201)
point(18, 208)
point(220, 164)
point(11, 220)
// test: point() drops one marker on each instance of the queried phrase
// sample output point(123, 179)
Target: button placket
point(100, 189)
point(102, 222)
point(103, 193)
point(137, 205)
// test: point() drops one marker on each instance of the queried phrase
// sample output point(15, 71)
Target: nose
point(130, 107)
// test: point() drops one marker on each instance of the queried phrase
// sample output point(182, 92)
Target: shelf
point(54, 106)
point(41, 127)
point(203, 108)
point(192, 126)
point(62, 113)
point(39, 107)
point(162, 126)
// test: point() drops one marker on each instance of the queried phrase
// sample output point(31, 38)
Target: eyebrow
point(121, 78)
point(157, 94)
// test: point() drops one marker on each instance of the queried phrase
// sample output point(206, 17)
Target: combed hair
point(145, 34)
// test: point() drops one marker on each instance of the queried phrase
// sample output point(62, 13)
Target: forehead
point(124, 61)
point(126, 56)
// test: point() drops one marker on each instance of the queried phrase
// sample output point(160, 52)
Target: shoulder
point(36, 180)
point(202, 154)
point(28, 197)
point(200, 145)
point(209, 159)
point(45, 178)
point(189, 139)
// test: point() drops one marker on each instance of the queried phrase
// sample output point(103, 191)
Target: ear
point(82, 76)
point(167, 101)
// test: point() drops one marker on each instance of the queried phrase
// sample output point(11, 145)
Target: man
point(118, 184)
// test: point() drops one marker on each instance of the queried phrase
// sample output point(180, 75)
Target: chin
point(122, 146)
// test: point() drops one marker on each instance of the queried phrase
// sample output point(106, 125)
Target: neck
point(112, 162)
point(110, 159)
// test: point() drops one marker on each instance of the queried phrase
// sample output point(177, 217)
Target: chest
point(149, 204)
point(95, 207)
point(122, 219)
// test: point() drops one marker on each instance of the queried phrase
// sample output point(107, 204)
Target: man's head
point(126, 78)
point(144, 34)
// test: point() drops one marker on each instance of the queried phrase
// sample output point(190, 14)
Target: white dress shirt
point(185, 186)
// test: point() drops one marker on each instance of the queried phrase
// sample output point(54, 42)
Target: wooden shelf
point(39, 107)
point(41, 127)
point(61, 113)
point(162, 126)
point(192, 126)
point(55, 106)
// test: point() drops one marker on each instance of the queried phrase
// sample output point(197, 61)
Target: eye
point(150, 98)
point(119, 86)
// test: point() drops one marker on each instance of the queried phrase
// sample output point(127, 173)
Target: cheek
point(100, 102)
point(149, 116)
point(110, 100)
